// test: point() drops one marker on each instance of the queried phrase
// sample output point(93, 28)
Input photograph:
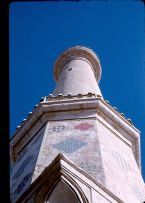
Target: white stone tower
point(74, 147)
point(77, 71)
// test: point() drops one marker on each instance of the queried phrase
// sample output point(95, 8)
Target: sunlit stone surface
point(75, 147)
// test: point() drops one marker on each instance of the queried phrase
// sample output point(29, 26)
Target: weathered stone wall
point(122, 174)
point(24, 166)
point(76, 139)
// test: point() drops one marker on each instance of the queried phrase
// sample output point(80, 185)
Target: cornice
point(76, 103)
point(72, 102)
point(74, 52)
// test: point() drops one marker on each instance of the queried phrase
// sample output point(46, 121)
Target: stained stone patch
point(56, 129)
point(88, 166)
point(23, 183)
point(121, 161)
point(94, 168)
point(84, 126)
point(25, 165)
point(69, 145)
point(36, 139)
point(22, 167)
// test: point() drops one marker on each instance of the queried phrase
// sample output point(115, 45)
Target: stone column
point(77, 71)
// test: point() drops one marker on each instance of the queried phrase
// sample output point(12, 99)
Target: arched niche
point(62, 193)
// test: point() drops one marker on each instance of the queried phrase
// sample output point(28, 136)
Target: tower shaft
point(77, 71)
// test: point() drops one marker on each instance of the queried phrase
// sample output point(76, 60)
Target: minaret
point(77, 71)
point(75, 147)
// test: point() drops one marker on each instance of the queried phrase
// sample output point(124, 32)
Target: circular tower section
point(77, 71)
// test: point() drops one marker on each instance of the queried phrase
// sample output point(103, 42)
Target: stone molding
point(96, 104)
point(61, 97)
point(61, 168)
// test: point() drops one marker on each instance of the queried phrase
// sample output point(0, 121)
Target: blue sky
point(39, 32)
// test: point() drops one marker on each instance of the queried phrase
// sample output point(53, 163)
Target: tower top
point(78, 52)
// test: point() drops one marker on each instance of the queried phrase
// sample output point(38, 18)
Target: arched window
point(62, 193)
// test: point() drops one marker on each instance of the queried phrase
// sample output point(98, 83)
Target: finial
point(18, 127)
point(35, 106)
point(60, 95)
point(115, 108)
point(42, 99)
point(50, 95)
point(122, 114)
point(29, 113)
point(23, 120)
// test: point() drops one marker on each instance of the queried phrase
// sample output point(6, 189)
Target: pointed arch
point(58, 174)
point(62, 193)
point(71, 187)
point(47, 193)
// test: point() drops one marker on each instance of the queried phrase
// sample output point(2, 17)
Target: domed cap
point(74, 53)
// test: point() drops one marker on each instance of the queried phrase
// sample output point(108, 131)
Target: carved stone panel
point(77, 140)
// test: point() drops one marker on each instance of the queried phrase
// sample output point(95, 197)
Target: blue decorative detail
point(69, 145)
point(88, 166)
point(23, 183)
point(22, 167)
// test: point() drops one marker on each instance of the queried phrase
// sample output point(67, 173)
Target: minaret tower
point(77, 71)
point(75, 147)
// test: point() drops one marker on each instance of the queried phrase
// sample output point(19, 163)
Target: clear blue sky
point(39, 32)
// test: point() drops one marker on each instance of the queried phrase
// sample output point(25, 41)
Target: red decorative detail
point(84, 126)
